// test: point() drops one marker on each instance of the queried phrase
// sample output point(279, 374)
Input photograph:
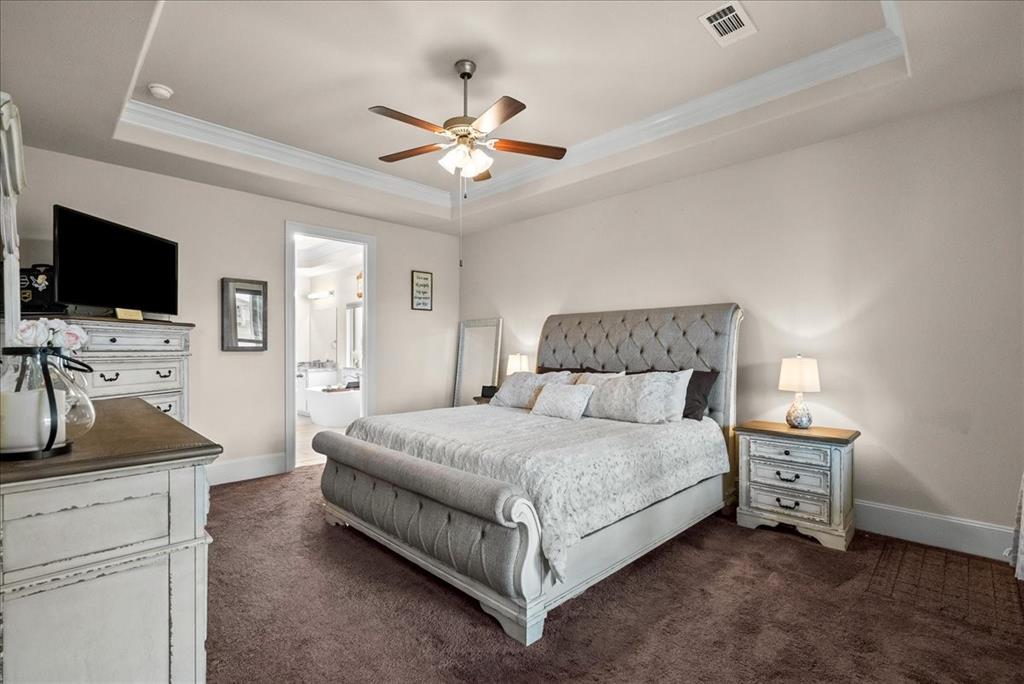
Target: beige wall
point(893, 256)
point(238, 399)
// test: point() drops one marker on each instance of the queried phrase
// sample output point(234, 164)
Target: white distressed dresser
point(103, 556)
point(800, 477)
point(147, 359)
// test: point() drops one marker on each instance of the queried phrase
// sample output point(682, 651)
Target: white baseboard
point(944, 531)
point(225, 470)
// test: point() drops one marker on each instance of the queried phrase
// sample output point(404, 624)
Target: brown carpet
point(293, 600)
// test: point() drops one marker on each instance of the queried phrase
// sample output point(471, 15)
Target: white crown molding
point(179, 125)
point(858, 54)
point(821, 67)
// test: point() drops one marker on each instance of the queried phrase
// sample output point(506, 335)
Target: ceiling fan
point(467, 136)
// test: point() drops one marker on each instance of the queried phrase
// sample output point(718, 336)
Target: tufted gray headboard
point(670, 339)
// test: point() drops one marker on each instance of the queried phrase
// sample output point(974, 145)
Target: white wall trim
point(821, 67)
point(225, 470)
point(864, 52)
point(172, 123)
point(369, 382)
point(944, 531)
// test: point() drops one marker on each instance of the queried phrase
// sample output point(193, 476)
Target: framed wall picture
point(243, 306)
point(422, 291)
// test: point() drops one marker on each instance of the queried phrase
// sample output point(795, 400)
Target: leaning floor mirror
point(477, 361)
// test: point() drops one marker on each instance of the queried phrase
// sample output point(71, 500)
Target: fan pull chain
point(462, 193)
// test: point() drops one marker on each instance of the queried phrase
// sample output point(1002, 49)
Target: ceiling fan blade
point(533, 149)
point(414, 152)
point(501, 111)
point(405, 118)
point(486, 175)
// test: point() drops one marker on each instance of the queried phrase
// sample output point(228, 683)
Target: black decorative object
point(488, 391)
point(35, 288)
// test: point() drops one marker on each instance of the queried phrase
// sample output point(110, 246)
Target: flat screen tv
point(100, 263)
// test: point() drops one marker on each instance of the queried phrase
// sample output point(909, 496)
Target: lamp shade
point(799, 375)
point(517, 363)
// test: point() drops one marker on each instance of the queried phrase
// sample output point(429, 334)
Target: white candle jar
point(42, 409)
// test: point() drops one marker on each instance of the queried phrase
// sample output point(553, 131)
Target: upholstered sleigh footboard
point(479, 534)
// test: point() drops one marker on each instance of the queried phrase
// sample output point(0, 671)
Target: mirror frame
point(228, 330)
point(477, 323)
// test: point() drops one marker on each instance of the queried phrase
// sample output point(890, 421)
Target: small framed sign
point(422, 291)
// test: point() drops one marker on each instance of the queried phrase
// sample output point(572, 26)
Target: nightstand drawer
point(790, 504)
point(789, 476)
point(789, 451)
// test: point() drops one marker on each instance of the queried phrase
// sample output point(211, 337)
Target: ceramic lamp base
point(798, 415)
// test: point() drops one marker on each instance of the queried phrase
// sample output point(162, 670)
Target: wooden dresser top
point(820, 434)
point(128, 432)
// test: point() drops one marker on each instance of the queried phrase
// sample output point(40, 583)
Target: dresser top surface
point(128, 432)
point(818, 434)
point(108, 319)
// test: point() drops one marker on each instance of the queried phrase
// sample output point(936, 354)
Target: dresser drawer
point(94, 519)
point(794, 452)
point(167, 403)
point(791, 504)
point(788, 476)
point(108, 341)
point(124, 376)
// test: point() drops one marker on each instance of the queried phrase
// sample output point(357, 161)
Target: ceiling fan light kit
point(467, 136)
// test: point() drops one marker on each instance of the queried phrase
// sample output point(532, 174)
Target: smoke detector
point(728, 24)
point(160, 91)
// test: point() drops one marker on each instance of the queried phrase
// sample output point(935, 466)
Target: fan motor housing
point(462, 126)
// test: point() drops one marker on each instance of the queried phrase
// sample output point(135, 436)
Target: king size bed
point(525, 511)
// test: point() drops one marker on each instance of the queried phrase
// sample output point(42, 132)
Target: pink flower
point(33, 333)
point(74, 338)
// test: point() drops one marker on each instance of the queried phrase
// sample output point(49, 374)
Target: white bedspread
point(581, 475)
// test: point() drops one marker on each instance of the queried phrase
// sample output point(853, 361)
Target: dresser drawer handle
point(113, 378)
point(786, 452)
point(796, 504)
point(113, 340)
point(161, 375)
point(796, 476)
point(168, 409)
point(167, 341)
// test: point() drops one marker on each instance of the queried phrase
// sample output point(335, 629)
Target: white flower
point(74, 338)
point(57, 338)
point(56, 324)
point(33, 333)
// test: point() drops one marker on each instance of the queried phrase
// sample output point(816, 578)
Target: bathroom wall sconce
point(320, 295)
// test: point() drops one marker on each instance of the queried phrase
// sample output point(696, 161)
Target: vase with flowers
point(42, 407)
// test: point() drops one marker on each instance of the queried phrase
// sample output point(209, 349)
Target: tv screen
point(100, 263)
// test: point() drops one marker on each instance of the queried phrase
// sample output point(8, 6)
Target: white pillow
point(643, 398)
point(520, 389)
point(596, 378)
point(563, 401)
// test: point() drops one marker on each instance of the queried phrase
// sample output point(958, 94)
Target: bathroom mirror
point(354, 335)
point(243, 308)
point(477, 362)
point(323, 334)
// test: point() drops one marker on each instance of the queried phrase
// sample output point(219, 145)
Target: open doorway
point(328, 323)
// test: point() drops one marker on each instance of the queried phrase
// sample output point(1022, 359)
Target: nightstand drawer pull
point(796, 504)
point(786, 452)
point(163, 375)
point(796, 476)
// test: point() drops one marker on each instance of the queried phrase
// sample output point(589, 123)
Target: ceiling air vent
point(728, 24)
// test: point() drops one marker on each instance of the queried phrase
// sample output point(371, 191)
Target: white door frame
point(369, 380)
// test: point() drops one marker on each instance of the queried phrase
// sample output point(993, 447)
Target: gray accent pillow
point(520, 389)
point(648, 398)
point(563, 401)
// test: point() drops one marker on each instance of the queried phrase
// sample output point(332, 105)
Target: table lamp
point(517, 363)
point(799, 375)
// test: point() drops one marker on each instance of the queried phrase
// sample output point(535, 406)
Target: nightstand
point(482, 400)
point(797, 477)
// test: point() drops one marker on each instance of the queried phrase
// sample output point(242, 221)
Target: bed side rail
point(479, 527)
